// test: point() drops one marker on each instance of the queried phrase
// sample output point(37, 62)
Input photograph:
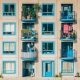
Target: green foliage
point(36, 7)
point(74, 35)
point(32, 11)
point(24, 12)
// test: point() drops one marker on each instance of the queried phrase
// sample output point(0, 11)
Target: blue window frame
point(48, 68)
point(9, 48)
point(47, 29)
point(67, 67)
point(48, 9)
point(47, 47)
point(9, 9)
point(9, 28)
point(9, 67)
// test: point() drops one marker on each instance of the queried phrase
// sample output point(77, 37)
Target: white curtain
point(12, 47)
point(7, 28)
point(6, 46)
point(9, 67)
point(12, 28)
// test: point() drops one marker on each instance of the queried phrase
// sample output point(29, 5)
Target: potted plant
point(34, 10)
point(1, 76)
point(58, 75)
point(77, 74)
point(37, 8)
point(74, 35)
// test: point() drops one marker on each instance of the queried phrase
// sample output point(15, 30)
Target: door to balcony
point(67, 50)
point(66, 31)
point(27, 68)
point(27, 46)
point(48, 68)
point(67, 13)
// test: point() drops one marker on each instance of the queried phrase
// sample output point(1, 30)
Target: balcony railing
point(30, 55)
point(29, 35)
point(67, 16)
point(28, 19)
point(70, 55)
point(69, 36)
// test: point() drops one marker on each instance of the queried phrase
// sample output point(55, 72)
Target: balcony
point(29, 13)
point(30, 55)
point(29, 35)
point(67, 16)
point(68, 55)
point(70, 36)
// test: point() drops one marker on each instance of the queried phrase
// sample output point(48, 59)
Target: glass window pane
point(44, 8)
point(67, 67)
point(50, 27)
point(50, 46)
point(12, 46)
point(44, 45)
point(8, 67)
point(12, 8)
point(50, 8)
point(12, 67)
point(44, 27)
point(7, 27)
point(6, 8)
point(12, 28)
point(47, 67)
point(6, 46)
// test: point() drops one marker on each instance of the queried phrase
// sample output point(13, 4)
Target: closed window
point(67, 67)
point(47, 9)
point(9, 47)
point(9, 28)
point(8, 9)
point(47, 29)
point(47, 47)
point(9, 67)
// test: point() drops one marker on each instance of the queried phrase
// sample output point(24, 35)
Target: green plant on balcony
point(1, 76)
point(30, 12)
point(36, 7)
point(74, 35)
point(58, 75)
point(24, 12)
point(77, 74)
point(25, 31)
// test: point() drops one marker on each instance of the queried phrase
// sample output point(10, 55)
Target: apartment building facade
point(39, 39)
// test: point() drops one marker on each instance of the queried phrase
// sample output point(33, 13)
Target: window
point(9, 28)
point(47, 47)
point(8, 9)
point(28, 69)
point(67, 67)
point(9, 47)
point(9, 67)
point(47, 9)
point(47, 28)
point(48, 68)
